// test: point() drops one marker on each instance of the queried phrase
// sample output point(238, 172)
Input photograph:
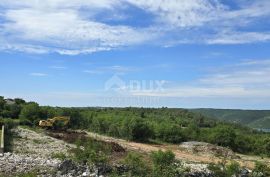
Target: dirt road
point(244, 160)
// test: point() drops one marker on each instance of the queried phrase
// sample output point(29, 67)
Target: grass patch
point(60, 155)
point(36, 141)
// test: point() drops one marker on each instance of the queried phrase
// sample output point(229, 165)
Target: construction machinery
point(55, 123)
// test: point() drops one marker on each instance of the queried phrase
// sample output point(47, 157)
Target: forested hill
point(251, 118)
point(143, 124)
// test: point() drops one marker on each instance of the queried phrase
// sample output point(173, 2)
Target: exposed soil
point(180, 153)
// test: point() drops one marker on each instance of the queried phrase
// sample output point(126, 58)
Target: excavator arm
point(50, 123)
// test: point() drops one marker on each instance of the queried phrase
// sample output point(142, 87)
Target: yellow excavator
point(54, 123)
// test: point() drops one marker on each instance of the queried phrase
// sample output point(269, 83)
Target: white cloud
point(256, 8)
point(66, 32)
point(55, 4)
point(37, 28)
point(249, 79)
point(38, 74)
point(74, 27)
point(116, 69)
point(251, 73)
point(184, 13)
point(239, 37)
point(58, 67)
point(93, 72)
point(198, 92)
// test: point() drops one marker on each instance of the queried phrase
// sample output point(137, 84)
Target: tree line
point(144, 124)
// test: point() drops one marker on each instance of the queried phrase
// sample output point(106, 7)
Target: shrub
point(59, 155)
point(140, 131)
point(233, 169)
point(261, 168)
point(163, 163)
point(91, 151)
point(222, 170)
point(136, 165)
point(224, 136)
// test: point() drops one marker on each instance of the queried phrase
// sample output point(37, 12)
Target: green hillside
point(149, 125)
point(252, 118)
point(261, 123)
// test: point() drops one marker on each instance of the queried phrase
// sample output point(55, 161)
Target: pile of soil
point(207, 149)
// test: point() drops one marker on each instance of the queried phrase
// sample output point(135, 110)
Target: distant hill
point(261, 123)
point(252, 118)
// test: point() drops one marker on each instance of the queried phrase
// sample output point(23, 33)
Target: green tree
point(19, 101)
point(224, 136)
point(2, 103)
point(169, 133)
point(140, 130)
point(30, 111)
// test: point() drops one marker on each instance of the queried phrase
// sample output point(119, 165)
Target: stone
point(244, 173)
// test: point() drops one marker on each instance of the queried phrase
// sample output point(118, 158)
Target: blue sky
point(188, 53)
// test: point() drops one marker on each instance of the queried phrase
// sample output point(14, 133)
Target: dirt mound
point(73, 136)
point(67, 136)
point(116, 147)
point(207, 149)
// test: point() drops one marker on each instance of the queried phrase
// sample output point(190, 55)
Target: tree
point(224, 136)
point(169, 133)
point(19, 101)
point(74, 115)
point(192, 132)
point(140, 130)
point(243, 144)
point(2, 103)
point(30, 111)
point(11, 111)
point(266, 146)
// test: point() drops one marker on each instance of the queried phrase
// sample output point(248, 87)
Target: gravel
point(33, 151)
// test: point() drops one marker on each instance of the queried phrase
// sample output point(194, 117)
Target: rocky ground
point(38, 144)
point(207, 149)
point(35, 151)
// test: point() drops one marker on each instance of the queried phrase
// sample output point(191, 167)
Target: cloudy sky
point(188, 53)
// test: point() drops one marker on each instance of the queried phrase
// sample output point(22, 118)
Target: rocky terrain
point(34, 152)
point(207, 149)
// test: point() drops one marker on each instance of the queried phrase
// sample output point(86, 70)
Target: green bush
point(136, 165)
point(91, 151)
point(163, 163)
point(222, 170)
point(261, 168)
point(140, 131)
point(224, 136)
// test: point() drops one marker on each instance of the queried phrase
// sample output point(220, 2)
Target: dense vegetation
point(252, 118)
point(145, 124)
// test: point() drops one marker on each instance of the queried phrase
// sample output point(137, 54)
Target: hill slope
point(263, 123)
point(251, 118)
